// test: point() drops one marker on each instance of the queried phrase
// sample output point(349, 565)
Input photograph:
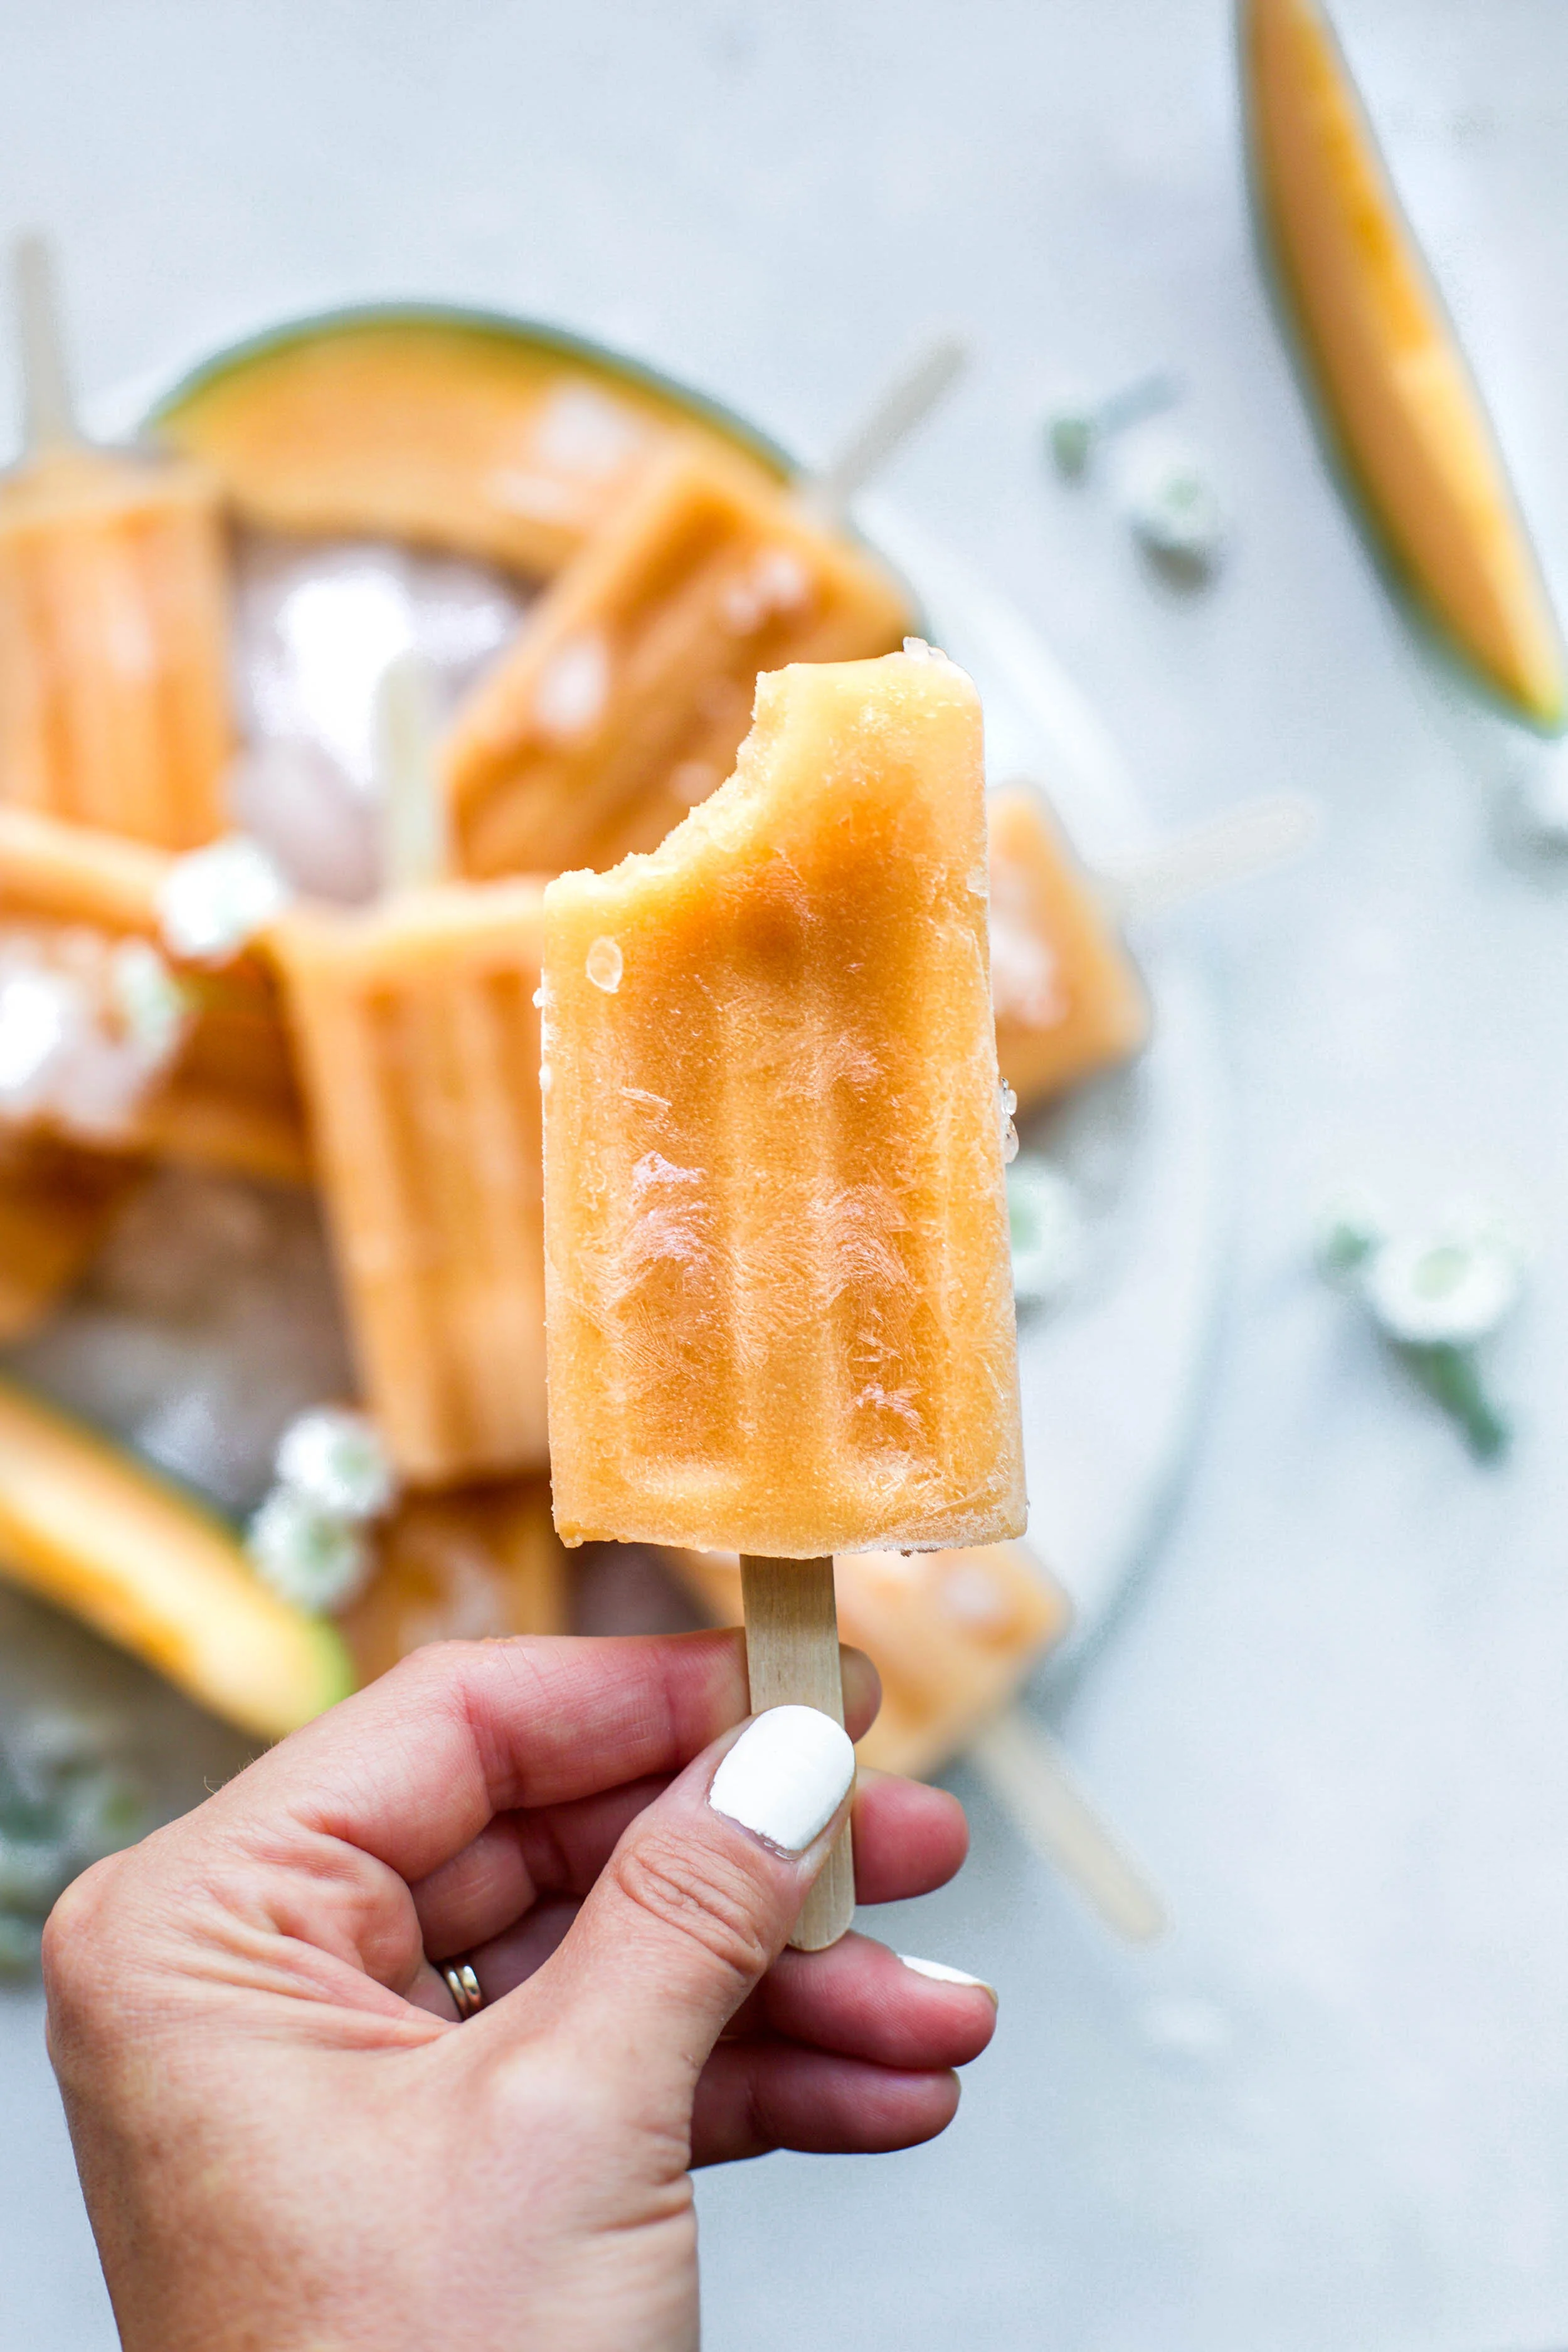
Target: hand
point(286, 2139)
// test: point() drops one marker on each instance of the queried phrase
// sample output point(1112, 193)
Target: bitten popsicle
point(625, 698)
point(778, 1300)
point(114, 697)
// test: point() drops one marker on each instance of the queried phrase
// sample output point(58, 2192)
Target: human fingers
point(908, 1840)
point(861, 2001)
point(697, 1899)
point(754, 2096)
point(306, 1856)
point(508, 1959)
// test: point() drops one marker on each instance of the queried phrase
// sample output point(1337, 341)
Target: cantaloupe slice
point(85, 1527)
point(1400, 402)
point(484, 435)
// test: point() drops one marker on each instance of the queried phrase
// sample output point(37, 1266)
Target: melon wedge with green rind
point(85, 1527)
point(1402, 411)
point(487, 436)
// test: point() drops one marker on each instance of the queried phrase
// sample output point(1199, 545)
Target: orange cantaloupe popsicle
point(1068, 996)
point(779, 1302)
point(628, 688)
point(419, 1042)
point(114, 689)
point(229, 1100)
point(470, 1565)
point(952, 1634)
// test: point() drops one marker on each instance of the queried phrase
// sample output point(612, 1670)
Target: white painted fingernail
point(939, 1973)
point(785, 1777)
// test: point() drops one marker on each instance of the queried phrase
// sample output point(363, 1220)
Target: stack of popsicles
point(780, 1319)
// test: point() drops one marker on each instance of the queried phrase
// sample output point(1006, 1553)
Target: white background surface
point(1333, 2108)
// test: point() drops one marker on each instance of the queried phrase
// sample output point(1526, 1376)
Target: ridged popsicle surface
point(778, 1290)
point(114, 693)
point(627, 695)
point(420, 1044)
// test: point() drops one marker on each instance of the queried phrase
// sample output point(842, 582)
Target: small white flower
point(1448, 1287)
point(308, 1556)
point(1048, 1230)
point(1175, 511)
point(335, 1460)
point(215, 901)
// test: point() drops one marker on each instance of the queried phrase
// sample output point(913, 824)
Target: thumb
point(698, 1899)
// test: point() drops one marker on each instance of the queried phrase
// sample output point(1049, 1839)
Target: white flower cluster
point(214, 901)
point(309, 1538)
point(1434, 1293)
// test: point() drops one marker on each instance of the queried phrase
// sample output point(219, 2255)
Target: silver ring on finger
point(460, 1981)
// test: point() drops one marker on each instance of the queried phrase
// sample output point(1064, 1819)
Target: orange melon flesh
point(114, 695)
point(952, 1634)
point(230, 1100)
point(1398, 396)
point(470, 1565)
point(779, 1300)
point(628, 689)
point(419, 1042)
point(84, 1526)
point(1068, 996)
point(479, 439)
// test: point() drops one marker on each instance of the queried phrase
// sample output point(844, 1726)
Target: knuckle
point(78, 1940)
point(701, 1894)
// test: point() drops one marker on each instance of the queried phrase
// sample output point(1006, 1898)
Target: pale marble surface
point(1333, 2109)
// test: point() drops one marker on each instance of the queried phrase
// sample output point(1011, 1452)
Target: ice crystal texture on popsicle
point(778, 1299)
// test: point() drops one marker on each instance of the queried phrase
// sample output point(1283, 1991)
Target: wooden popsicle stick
point(413, 809)
point(905, 405)
point(1031, 1778)
point(792, 1660)
point(1261, 832)
point(48, 410)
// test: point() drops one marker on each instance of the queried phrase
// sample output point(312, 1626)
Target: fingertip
point(862, 1691)
point(910, 1839)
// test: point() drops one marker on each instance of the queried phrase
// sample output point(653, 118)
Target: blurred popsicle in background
point(628, 689)
point(417, 1035)
point(468, 1565)
point(108, 1036)
point(114, 695)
